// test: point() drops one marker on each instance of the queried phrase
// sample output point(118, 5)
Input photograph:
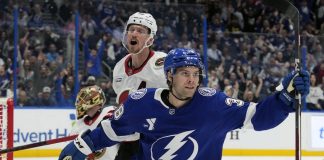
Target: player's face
point(137, 36)
point(185, 81)
point(92, 111)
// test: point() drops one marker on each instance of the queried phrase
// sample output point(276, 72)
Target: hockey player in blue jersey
point(185, 121)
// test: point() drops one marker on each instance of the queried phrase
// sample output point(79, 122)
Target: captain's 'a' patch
point(138, 94)
point(204, 91)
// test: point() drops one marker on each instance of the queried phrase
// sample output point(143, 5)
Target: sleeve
point(270, 113)
point(120, 128)
point(264, 115)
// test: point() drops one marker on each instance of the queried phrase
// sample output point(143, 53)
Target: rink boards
point(34, 125)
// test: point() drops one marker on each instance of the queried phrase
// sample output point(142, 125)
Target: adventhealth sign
point(279, 140)
point(317, 131)
point(32, 137)
point(35, 125)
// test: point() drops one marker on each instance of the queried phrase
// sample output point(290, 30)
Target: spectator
point(4, 45)
point(91, 81)
point(24, 100)
point(253, 88)
point(51, 37)
point(93, 61)
point(50, 6)
point(65, 12)
point(232, 91)
point(63, 93)
point(215, 56)
point(319, 71)
point(111, 49)
point(45, 98)
point(318, 52)
point(320, 13)
point(315, 99)
point(108, 90)
point(43, 77)
point(4, 81)
point(36, 19)
point(52, 54)
point(26, 72)
point(88, 26)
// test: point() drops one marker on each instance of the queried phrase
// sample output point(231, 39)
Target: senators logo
point(159, 62)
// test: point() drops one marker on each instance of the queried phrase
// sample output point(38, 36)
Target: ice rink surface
point(224, 158)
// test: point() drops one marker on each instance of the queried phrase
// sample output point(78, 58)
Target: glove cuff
point(286, 98)
point(83, 143)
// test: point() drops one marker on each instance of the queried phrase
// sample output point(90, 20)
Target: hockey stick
point(292, 12)
point(38, 144)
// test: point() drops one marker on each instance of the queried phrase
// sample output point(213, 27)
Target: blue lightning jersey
point(196, 130)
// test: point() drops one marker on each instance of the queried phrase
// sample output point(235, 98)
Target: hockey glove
point(292, 83)
point(79, 148)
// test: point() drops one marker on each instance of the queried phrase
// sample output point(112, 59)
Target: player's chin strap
point(145, 46)
point(181, 99)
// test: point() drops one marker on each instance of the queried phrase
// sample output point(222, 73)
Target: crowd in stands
point(250, 45)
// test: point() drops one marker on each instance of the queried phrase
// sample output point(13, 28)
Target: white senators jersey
point(86, 122)
point(149, 75)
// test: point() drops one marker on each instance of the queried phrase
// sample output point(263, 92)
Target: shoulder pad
point(205, 91)
point(138, 94)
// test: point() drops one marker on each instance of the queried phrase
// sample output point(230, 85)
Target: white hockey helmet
point(144, 19)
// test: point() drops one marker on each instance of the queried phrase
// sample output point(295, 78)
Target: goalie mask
point(87, 98)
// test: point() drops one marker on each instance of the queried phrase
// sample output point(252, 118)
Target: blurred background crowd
point(250, 46)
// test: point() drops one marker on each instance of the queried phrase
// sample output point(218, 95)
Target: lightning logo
point(177, 142)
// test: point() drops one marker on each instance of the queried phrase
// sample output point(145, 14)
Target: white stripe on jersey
point(249, 115)
point(109, 131)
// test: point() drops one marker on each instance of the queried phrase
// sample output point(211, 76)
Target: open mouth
point(133, 42)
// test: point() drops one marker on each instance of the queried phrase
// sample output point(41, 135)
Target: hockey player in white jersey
point(141, 68)
point(186, 121)
point(90, 112)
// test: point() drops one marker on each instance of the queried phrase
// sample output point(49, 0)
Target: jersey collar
point(128, 64)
